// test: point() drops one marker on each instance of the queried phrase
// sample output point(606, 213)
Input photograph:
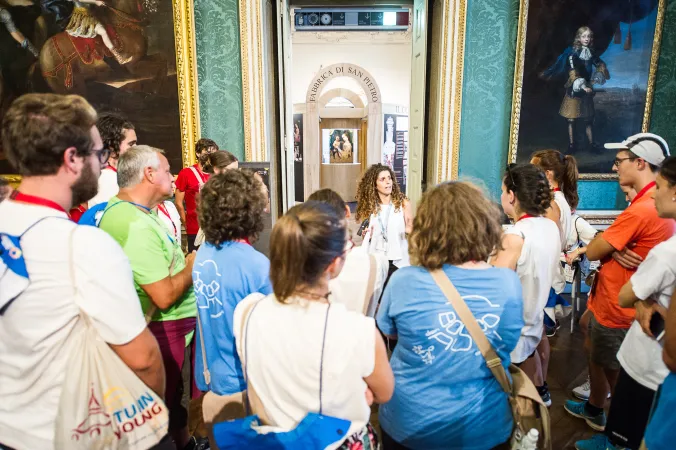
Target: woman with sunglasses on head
point(220, 161)
point(303, 353)
point(532, 247)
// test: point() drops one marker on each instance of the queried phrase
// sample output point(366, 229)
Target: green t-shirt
point(150, 249)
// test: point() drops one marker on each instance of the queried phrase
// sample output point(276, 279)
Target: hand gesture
point(644, 312)
point(627, 258)
point(190, 259)
point(588, 90)
point(572, 257)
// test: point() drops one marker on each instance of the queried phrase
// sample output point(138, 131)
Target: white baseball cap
point(647, 146)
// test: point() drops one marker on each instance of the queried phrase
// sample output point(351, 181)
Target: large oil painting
point(584, 76)
point(119, 54)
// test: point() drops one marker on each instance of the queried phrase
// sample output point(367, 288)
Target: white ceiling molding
point(351, 37)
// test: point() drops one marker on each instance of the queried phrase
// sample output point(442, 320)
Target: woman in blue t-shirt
point(227, 269)
point(445, 396)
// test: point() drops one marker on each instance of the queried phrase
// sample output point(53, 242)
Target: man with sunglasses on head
point(53, 143)
point(621, 248)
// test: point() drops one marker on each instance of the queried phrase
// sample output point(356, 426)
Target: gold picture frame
point(186, 82)
point(517, 91)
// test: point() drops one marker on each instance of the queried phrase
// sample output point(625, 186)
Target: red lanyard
point(643, 191)
point(202, 175)
point(112, 168)
point(162, 208)
point(525, 216)
point(557, 189)
point(33, 200)
point(243, 241)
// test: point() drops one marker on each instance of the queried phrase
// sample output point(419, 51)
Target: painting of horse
point(119, 54)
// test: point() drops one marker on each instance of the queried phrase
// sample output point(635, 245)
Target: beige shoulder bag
point(528, 409)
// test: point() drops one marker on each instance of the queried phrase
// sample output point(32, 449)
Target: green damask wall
point(487, 98)
point(219, 73)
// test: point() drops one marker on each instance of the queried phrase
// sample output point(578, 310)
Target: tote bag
point(103, 404)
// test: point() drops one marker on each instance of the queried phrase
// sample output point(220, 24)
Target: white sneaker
point(582, 391)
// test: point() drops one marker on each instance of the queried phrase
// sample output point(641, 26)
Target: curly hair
point(231, 207)
point(112, 126)
point(204, 144)
point(530, 186)
point(455, 223)
point(368, 201)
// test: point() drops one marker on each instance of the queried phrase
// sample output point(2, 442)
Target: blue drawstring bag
point(315, 431)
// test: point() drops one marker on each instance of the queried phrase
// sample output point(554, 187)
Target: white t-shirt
point(36, 328)
point(108, 187)
point(349, 288)
point(283, 359)
point(580, 231)
point(173, 221)
point(536, 267)
point(565, 217)
point(641, 355)
point(391, 223)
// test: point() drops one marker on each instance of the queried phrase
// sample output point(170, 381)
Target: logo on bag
point(96, 420)
point(124, 415)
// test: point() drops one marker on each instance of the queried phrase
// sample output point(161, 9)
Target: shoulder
point(665, 251)
point(350, 321)
point(96, 245)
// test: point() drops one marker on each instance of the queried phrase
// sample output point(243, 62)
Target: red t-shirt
point(187, 182)
point(638, 224)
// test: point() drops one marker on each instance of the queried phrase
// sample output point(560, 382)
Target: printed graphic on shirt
point(425, 354)
point(207, 294)
point(452, 333)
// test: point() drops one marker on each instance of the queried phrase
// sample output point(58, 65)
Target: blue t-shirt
point(222, 278)
point(445, 396)
point(660, 432)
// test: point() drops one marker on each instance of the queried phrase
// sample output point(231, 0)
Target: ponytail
point(564, 168)
point(569, 181)
point(303, 243)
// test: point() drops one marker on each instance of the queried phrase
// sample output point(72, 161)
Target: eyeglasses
point(619, 161)
point(103, 155)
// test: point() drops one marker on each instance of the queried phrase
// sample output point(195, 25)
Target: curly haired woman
point(531, 247)
point(227, 269)
point(389, 214)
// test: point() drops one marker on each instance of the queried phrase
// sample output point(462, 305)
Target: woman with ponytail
point(303, 353)
point(532, 247)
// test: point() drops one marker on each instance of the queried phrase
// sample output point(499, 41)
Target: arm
point(167, 291)
point(381, 381)
point(627, 297)
point(6, 19)
point(408, 216)
point(669, 353)
point(142, 355)
point(508, 256)
point(178, 201)
point(554, 213)
point(599, 248)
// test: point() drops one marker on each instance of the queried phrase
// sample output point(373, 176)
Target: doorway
point(370, 85)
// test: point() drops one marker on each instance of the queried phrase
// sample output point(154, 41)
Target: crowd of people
point(323, 328)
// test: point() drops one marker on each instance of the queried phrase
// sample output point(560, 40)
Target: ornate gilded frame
point(518, 83)
point(186, 77)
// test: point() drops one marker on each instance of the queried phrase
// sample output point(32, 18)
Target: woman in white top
point(304, 354)
point(532, 247)
point(389, 214)
point(642, 371)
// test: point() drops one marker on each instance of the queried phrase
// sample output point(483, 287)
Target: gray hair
point(133, 162)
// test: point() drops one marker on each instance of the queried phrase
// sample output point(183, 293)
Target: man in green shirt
point(162, 275)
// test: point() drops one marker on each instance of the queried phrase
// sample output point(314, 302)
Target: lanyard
point(163, 208)
point(383, 227)
point(556, 189)
point(525, 216)
point(112, 168)
point(644, 190)
point(149, 213)
point(34, 200)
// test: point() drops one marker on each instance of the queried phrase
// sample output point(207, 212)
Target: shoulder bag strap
point(206, 373)
point(371, 286)
point(493, 361)
point(197, 175)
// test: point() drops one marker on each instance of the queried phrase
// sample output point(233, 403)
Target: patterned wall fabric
point(487, 98)
point(219, 73)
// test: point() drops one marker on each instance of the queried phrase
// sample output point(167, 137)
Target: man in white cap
point(637, 228)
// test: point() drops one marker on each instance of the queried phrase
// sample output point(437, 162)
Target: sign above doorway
point(351, 19)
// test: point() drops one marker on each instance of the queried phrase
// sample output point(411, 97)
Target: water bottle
point(530, 441)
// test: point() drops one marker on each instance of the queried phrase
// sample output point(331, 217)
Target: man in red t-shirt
point(638, 228)
point(188, 184)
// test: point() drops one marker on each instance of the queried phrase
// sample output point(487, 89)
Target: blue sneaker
point(577, 409)
point(597, 442)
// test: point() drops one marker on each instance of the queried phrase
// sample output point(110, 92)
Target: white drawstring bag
point(103, 404)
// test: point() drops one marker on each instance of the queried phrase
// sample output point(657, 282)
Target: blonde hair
point(577, 44)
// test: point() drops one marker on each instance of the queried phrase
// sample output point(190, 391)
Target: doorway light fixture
point(351, 19)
